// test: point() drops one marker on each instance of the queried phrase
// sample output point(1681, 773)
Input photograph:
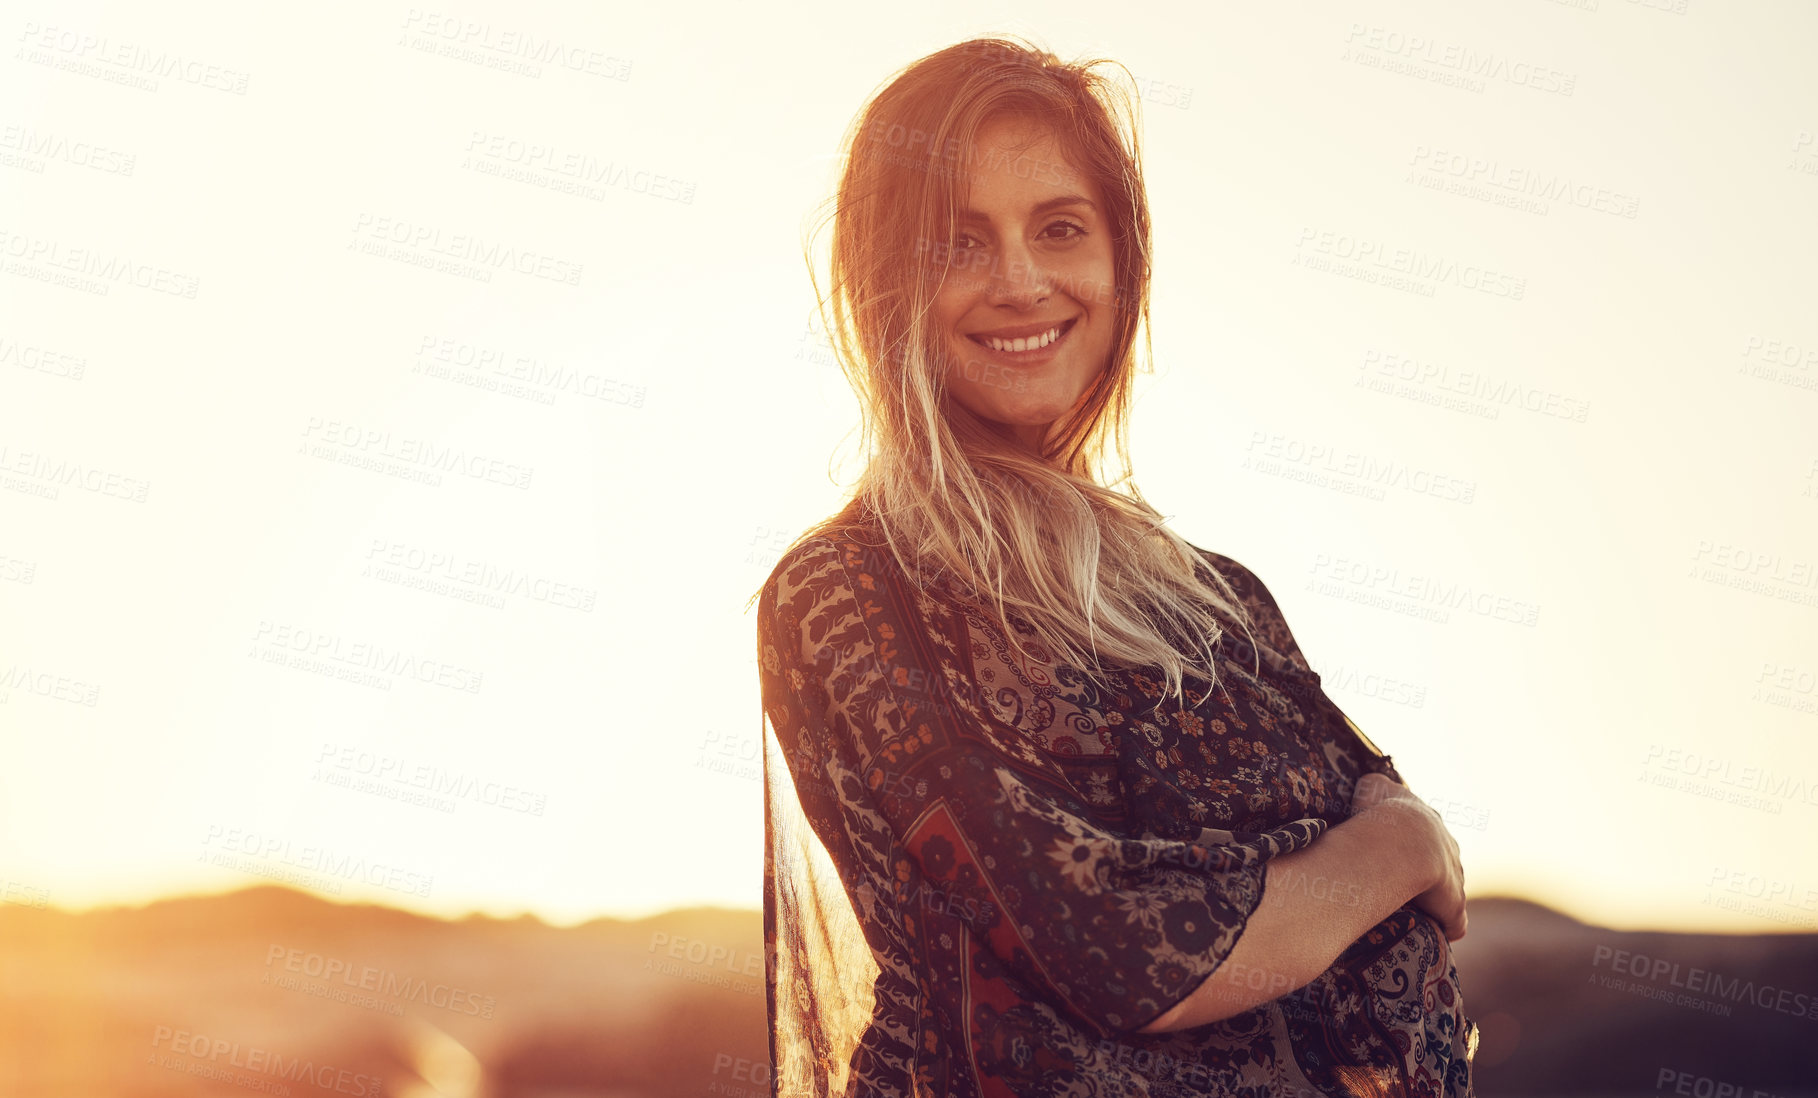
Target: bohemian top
point(986, 870)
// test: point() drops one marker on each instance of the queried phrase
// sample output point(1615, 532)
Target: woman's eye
point(961, 244)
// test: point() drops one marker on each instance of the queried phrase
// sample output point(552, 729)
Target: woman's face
point(1030, 258)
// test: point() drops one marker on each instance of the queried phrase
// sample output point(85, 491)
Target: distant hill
point(1569, 1008)
point(266, 989)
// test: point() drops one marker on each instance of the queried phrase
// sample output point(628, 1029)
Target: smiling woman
point(1054, 804)
point(1024, 311)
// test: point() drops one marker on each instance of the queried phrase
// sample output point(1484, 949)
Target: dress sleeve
point(1272, 626)
point(976, 836)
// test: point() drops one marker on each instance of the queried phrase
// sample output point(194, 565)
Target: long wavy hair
point(1059, 538)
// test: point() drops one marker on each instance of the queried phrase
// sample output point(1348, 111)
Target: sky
point(399, 407)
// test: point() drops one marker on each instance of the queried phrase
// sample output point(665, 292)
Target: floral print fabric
point(986, 870)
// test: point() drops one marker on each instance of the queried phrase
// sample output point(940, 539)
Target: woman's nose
point(1019, 279)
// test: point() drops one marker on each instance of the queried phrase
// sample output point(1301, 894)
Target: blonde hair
point(1093, 570)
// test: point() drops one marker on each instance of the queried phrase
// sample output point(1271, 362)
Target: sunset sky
point(1484, 337)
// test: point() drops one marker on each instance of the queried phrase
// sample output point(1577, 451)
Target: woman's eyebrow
point(1041, 207)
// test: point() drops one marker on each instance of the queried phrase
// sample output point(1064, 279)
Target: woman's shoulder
point(1226, 564)
point(1258, 602)
point(1247, 583)
point(835, 556)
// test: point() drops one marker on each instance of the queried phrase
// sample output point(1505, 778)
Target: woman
point(1055, 806)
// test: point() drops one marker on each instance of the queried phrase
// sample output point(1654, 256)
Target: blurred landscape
point(269, 990)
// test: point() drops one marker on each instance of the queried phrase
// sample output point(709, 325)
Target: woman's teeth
point(1032, 343)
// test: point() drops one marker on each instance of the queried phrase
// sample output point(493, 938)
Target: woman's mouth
point(1028, 346)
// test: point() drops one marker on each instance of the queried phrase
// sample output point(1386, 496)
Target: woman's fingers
point(1373, 788)
point(1456, 926)
point(1445, 901)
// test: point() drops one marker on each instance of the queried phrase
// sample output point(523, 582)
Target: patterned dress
point(985, 872)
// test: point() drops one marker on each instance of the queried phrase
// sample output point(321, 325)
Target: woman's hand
point(1392, 852)
point(1430, 842)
